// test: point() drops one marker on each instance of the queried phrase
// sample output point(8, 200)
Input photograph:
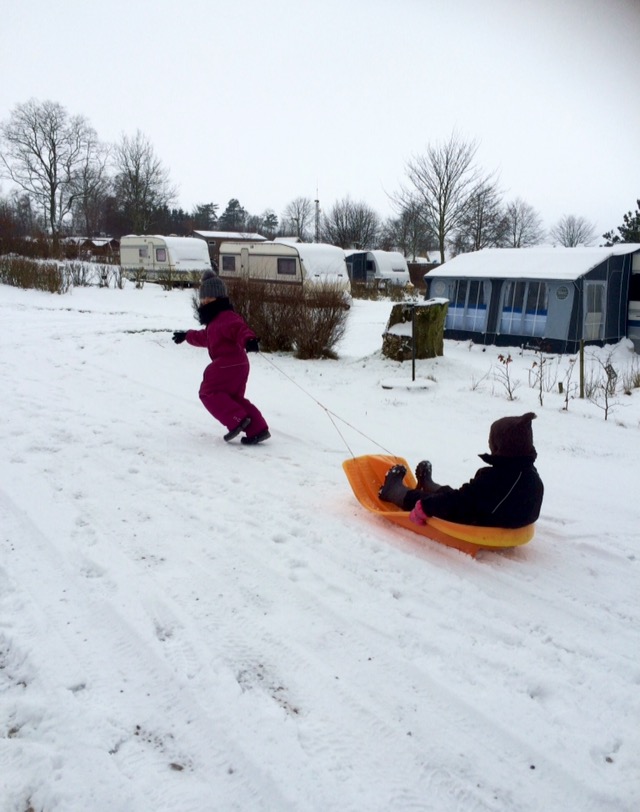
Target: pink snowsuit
point(225, 379)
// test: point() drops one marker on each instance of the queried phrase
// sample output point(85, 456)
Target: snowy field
point(189, 626)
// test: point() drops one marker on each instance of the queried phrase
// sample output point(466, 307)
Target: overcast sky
point(266, 101)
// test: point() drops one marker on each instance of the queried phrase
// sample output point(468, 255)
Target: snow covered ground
point(188, 625)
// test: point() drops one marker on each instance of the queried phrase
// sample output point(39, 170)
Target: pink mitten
point(417, 515)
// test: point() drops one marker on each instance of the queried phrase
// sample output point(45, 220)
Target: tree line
point(66, 181)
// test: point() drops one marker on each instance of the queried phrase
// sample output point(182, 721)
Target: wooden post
point(413, 343)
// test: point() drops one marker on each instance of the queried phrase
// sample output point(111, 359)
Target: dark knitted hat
point(212, 287)
point(512, 437)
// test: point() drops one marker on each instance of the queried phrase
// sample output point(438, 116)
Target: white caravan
point(378, 267)
point(174, 260)
point(285, 263)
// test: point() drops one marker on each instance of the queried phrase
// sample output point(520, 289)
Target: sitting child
point(507, 493)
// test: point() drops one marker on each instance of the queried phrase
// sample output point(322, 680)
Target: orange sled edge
point(366, 475)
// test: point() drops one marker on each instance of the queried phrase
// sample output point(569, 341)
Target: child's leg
point(219, 396)
point(223, 407)
point(258, 423)
point(423, 476)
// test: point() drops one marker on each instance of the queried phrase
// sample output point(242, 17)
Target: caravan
point(170, 260)
point(287, 263)
point(378, 268)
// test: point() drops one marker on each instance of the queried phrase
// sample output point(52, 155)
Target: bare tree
point(483, 224)
point(407, 233)
point(572, 231)
point(523, 225)
point(44, 150)
point(297, 218)
point(10, 226)
point(92, 186)
point(142, 183)
point(440, 184)
point(350, 225)
point(265, 223)
point(30, 221)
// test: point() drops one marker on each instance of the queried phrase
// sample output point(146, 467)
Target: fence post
point(413, 342)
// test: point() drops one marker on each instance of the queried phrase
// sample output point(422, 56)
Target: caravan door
point(244, 262)
point(594, 310)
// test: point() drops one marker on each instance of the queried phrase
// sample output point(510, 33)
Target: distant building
point(418, 267)
point(96, 249)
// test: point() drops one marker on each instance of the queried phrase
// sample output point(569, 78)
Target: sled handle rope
point(331, 415)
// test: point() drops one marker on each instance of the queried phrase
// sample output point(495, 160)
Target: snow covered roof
point(98, 242)
point(229, 235)
point(187, 250)
point(530, 263)
point(322, 258)
point(390, 262)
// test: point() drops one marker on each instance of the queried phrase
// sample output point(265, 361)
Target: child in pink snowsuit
point(228, 338)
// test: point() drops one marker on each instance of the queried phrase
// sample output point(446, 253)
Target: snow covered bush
point(80, 273)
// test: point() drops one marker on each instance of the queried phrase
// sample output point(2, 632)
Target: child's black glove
point(179, 336)
point(252, 345)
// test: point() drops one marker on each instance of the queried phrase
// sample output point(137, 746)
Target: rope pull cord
point(331, 415)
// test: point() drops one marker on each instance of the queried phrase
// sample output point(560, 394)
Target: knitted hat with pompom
point(212, 287)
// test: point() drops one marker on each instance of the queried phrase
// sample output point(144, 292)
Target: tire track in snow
point(172, 728)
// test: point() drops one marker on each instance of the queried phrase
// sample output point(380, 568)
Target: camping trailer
point(174, 260)
point(378, 267)
point(286, 263)
point(552, 298)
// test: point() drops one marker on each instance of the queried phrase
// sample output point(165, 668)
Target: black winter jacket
point(506, 494)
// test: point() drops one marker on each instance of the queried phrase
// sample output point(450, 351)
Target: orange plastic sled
point(366, 476)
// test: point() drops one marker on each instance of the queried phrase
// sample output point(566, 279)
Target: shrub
point(287, 318)
point(381, 289)
point(80, 273)
point(631, 377)
point(321, 324)
point(30, 273)
point(363, 290)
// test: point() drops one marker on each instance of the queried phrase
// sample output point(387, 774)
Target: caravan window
point(161, 254)
point(468, 306)
point(228, 263)
point(143, 253)
point(524, 308)
point(287, 266)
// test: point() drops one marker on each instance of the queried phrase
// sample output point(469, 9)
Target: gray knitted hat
point(212, 287)
point(513, 437)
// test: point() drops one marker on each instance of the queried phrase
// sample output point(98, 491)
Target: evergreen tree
point(205, 216)
point(269, 224)
point(233, 218)
point(629, 231)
